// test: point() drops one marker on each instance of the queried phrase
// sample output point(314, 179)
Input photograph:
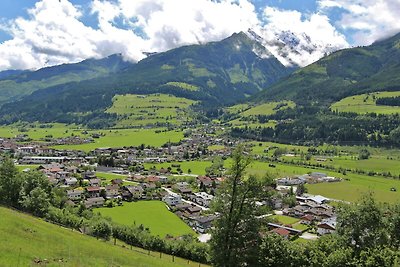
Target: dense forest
point(313, 124)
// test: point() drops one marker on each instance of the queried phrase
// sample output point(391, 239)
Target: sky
point(39, 33)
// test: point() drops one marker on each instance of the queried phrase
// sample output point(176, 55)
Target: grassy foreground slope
point(25, 238)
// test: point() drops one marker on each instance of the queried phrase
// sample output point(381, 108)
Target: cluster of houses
point(311, 211)
point(311, 178)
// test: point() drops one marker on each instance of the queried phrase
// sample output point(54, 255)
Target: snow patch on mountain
point(292, 49)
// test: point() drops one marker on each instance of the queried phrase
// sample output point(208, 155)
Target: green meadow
point(25, 239)
point(351, 188)
point(128, 137)
point(196, 166)
point(34, 131)
point(151, 214)
point(140, 110)
point(366, 103)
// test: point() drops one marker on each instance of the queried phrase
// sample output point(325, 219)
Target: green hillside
point(27, 241)
point(14, 85)
point(366, 103)
point(343, 73)
point(215, 73)
point(248, 115)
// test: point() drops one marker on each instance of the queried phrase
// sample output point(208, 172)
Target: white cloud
point(53, 33)
point(295, 39)
point(370, 19)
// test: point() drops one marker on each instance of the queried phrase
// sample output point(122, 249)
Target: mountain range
point(238, 68)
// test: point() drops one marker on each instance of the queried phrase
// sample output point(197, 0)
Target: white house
point(172, 199)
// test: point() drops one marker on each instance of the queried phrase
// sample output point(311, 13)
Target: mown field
point(128, 137)
point(24, 239)
point(152, 214)
point(366, 103)
point(140, 110)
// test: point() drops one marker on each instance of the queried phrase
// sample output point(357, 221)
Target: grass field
point(151, 109)
point(33, 130)
point(196, 167)
point(24, 239)
point(350, 190)
point(152, 214)
point(366, 103)
point(128, 137)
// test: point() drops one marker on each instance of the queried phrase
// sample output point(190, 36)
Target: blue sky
point(39, 33)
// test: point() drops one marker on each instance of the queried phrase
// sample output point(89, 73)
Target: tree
point(364, 154)
point(363, 225)
point(10, 183)
point(37, 202)
point(101, 228)
point(235, 238)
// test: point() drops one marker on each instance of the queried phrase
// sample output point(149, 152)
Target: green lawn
point(365, 103)
point(23, 167)
point(196, 167)
point(24, 238)
point(285, 219)
point(152, 214)
point(128, 137)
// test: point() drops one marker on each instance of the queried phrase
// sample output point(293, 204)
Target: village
point(186, 194)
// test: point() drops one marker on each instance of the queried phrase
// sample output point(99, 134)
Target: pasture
point(151, 214)
point(366, 103)
point(128, 137)
point(155, 109)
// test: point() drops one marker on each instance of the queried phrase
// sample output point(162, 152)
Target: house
point(112, 191)
point(70, 181)
point(117, 181)
point(319, 199)
point(95, 182)
point(94, 202)
point(93, 191)
point(194, 210)
point(327, 226)
point(132, 192)
point(172, 199)
point(202, 224)
point(282, 232)
point(183, 188)
point(307, 219)
point(75, 194)
point(203, 199)
point(163, 179)
point(205, 180)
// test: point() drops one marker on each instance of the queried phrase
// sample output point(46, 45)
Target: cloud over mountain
point(54, 32)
